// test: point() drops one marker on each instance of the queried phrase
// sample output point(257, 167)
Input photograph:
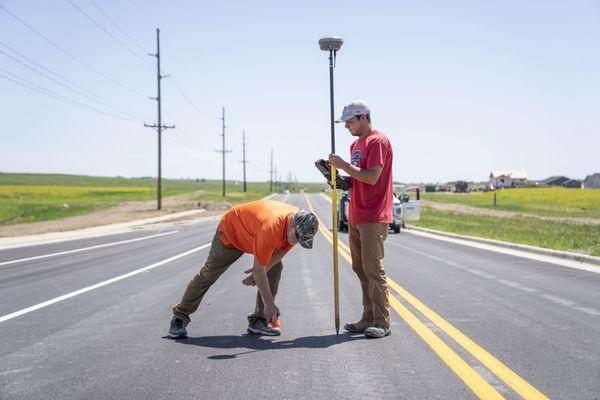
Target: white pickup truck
point(404, 209)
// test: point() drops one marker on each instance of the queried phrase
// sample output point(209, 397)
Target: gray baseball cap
point(357, 107)
point(306, 225)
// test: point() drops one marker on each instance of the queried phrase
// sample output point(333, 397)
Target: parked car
point(344, 206)
point(411, 209)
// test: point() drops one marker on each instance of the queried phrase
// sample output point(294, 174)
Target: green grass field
point(540, 201)
point(557, 235)
point(582, 238)
point(40, 197)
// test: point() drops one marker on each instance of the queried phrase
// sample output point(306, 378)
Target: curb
point(515, 246)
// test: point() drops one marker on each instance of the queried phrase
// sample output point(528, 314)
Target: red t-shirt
point(372, 203)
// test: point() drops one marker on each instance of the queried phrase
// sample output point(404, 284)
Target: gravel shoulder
point(125, 212)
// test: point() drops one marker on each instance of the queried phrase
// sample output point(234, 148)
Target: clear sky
point(459, 87)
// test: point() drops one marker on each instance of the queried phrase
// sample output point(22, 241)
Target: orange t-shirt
point(258, 228)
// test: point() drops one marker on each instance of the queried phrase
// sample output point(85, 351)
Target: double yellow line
point(463, 370)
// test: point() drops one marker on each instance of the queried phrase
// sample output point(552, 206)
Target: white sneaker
point(377, 331)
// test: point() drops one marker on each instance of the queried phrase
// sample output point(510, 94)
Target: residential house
point(507, 179)
point(561, 181)
point(554, 181)
point(592, 181)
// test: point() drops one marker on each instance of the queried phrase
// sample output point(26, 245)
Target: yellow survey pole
point(332, 45)
point(336, 284)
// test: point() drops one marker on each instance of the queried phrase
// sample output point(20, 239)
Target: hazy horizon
point(460, 88)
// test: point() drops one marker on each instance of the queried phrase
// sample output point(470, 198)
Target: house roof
point(554, 180)
point(593, 176)
point(592, 181)
point(508, 174)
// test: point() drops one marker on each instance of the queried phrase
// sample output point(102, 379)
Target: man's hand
point(249, 280)
point(271, 312)
point(337, 161)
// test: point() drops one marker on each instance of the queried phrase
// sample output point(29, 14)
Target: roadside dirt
point(124, 212)
point(464, 209)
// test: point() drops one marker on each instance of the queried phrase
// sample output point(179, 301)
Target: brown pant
point(219, 259)
point(366, 248)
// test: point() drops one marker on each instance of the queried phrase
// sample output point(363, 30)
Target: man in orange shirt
point(268, 230)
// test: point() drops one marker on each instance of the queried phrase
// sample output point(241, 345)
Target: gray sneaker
point(260, 327)
point(377, 331)
point(357, 327)
point(177, 329)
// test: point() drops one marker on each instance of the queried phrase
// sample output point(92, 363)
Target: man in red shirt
point(370, 213)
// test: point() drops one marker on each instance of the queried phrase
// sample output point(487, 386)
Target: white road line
point(512, 252)
point(325, 197)
point(60, 253)
point(560, 300)
point(98, 285)
point(587, 310)
point(516, 285)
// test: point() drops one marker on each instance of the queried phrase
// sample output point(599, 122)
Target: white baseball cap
point(357, 107)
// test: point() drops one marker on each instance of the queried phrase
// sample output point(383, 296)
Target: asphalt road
point(87, 319)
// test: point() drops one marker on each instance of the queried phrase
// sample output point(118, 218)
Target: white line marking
point(517, 285)
point(587, 310)
point(86, 248)
point(560, 300)
point(98, 285)
point(325, 197)
point(481, 273)
point(512, 252)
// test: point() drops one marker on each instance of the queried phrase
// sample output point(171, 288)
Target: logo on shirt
point(356, 156)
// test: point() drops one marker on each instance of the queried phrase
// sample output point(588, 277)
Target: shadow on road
point(256, 343)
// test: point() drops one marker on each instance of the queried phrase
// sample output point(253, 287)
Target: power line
point(183, 139)
point(139, 46)
point(107, 32)
point(190, 138)
point(190, 130)
point(50, 93)
point(142, 13)
point(80, 90)
point(173, 82)
point(70, 55)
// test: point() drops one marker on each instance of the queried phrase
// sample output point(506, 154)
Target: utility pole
point(159, 125)
point(276, 182)
point(223, 151)
point(271, 173)
point(244, 162)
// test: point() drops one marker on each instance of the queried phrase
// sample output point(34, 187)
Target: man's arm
point(259, 273)
point(275, 258)
point(366, 175)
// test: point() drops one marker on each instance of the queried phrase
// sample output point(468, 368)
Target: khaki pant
point(219, 259)
point(366, 248)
